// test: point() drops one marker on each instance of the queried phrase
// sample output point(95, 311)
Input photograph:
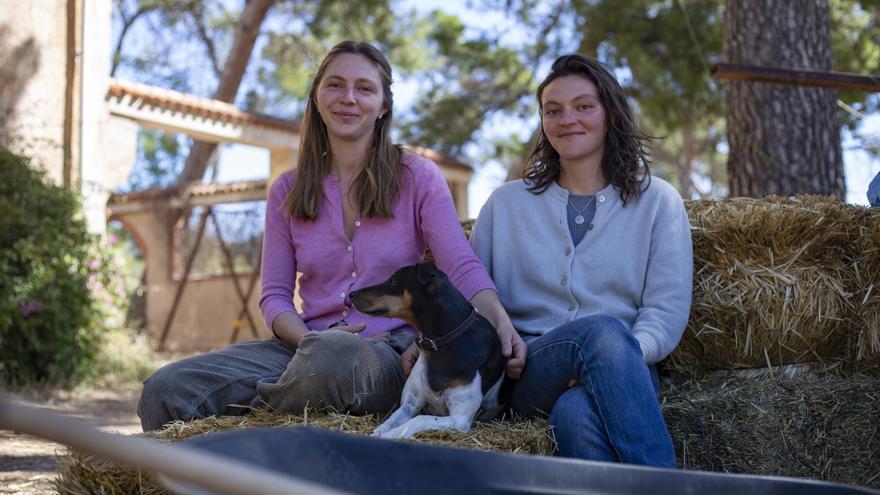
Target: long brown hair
point(626, 154)
point(378, 183)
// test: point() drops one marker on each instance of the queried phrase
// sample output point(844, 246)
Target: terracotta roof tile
point(209, 189)
point(203, 107)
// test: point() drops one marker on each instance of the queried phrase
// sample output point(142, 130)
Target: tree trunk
point(783, 140)
point(246, 32)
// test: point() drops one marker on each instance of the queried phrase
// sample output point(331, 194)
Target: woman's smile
point(350, 98)
point(573, 118)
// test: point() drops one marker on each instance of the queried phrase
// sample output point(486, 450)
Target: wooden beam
point(198, 126)
point(843, 81)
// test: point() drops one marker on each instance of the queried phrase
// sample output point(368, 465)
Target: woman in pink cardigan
point(356, 209)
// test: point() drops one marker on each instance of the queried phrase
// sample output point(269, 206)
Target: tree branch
point(126, 24)
point(246, 31)
point(197, 13)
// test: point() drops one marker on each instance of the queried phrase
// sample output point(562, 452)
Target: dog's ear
point(424, 272)
point(426, 275)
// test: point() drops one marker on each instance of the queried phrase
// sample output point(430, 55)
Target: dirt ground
point(27, 464)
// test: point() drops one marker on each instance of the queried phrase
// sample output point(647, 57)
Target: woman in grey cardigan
point(593, 261)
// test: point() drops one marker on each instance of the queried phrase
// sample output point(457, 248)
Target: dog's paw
point(380, 430)
point(396, 433)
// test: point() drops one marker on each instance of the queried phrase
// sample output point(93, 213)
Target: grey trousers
point(332, 368)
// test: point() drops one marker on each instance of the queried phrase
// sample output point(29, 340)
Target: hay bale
point(81, 474)
point(750, 316)
point(780, 281)
point(805, 425)
point(866, 282)
point(773, 230)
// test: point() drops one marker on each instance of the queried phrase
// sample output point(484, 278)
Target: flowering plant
point(48, 324)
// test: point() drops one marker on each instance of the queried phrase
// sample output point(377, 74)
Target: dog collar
point(427, 344)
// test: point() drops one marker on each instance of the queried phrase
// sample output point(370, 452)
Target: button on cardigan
point(331, 266)
point(635, 264)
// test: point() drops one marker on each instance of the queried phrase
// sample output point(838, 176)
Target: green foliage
point(470, 80)
point(663, 50)
point(47, 321)
point(161, 156)
point(124, 357)
point(291, 56)
point(113, 281)
point(471, 77)
point(855, 44)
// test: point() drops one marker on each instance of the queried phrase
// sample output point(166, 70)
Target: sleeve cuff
point(272, 310)
point(475, 283)
point(648, 345)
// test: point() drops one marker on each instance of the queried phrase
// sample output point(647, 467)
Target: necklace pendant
point(579, 219)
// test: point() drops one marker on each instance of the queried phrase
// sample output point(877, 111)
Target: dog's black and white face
point(410, 287)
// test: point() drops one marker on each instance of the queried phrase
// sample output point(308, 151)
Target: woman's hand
point(358, 328)
point(408, 358)
point(512, 346)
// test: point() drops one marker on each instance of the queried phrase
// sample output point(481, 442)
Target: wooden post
point(250, 290)
point(189, 263)
point(842, 81)
point(230, 264)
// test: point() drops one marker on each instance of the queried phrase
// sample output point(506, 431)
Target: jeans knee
point(567, 420)
point(564, 414)
point(330, 340)
point(330, 346)
point(329, 362)
point(605, 335)
point(153, 404)
point(157, 385)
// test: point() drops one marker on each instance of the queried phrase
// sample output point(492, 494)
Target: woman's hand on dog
point(408, 358)
point(512, 345)
point(358, 328)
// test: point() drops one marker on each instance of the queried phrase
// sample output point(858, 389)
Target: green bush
point(48, 323)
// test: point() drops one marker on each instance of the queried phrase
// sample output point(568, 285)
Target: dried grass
point(780, 281)
point(81, 474)
point(807, 425)
point(866, 281)
point(800, 421)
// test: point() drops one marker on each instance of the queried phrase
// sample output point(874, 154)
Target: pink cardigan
point(331, 266)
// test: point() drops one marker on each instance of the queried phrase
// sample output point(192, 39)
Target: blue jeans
point(612, 414)
point(874, 191)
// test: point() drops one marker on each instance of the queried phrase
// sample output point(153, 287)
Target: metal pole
point(180, 463)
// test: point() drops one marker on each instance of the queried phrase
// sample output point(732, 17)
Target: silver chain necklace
point(579, 219)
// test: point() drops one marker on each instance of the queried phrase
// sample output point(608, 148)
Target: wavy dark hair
point(626, 156)
point(378, 183)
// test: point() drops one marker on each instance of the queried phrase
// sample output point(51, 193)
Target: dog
point(460, 370)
